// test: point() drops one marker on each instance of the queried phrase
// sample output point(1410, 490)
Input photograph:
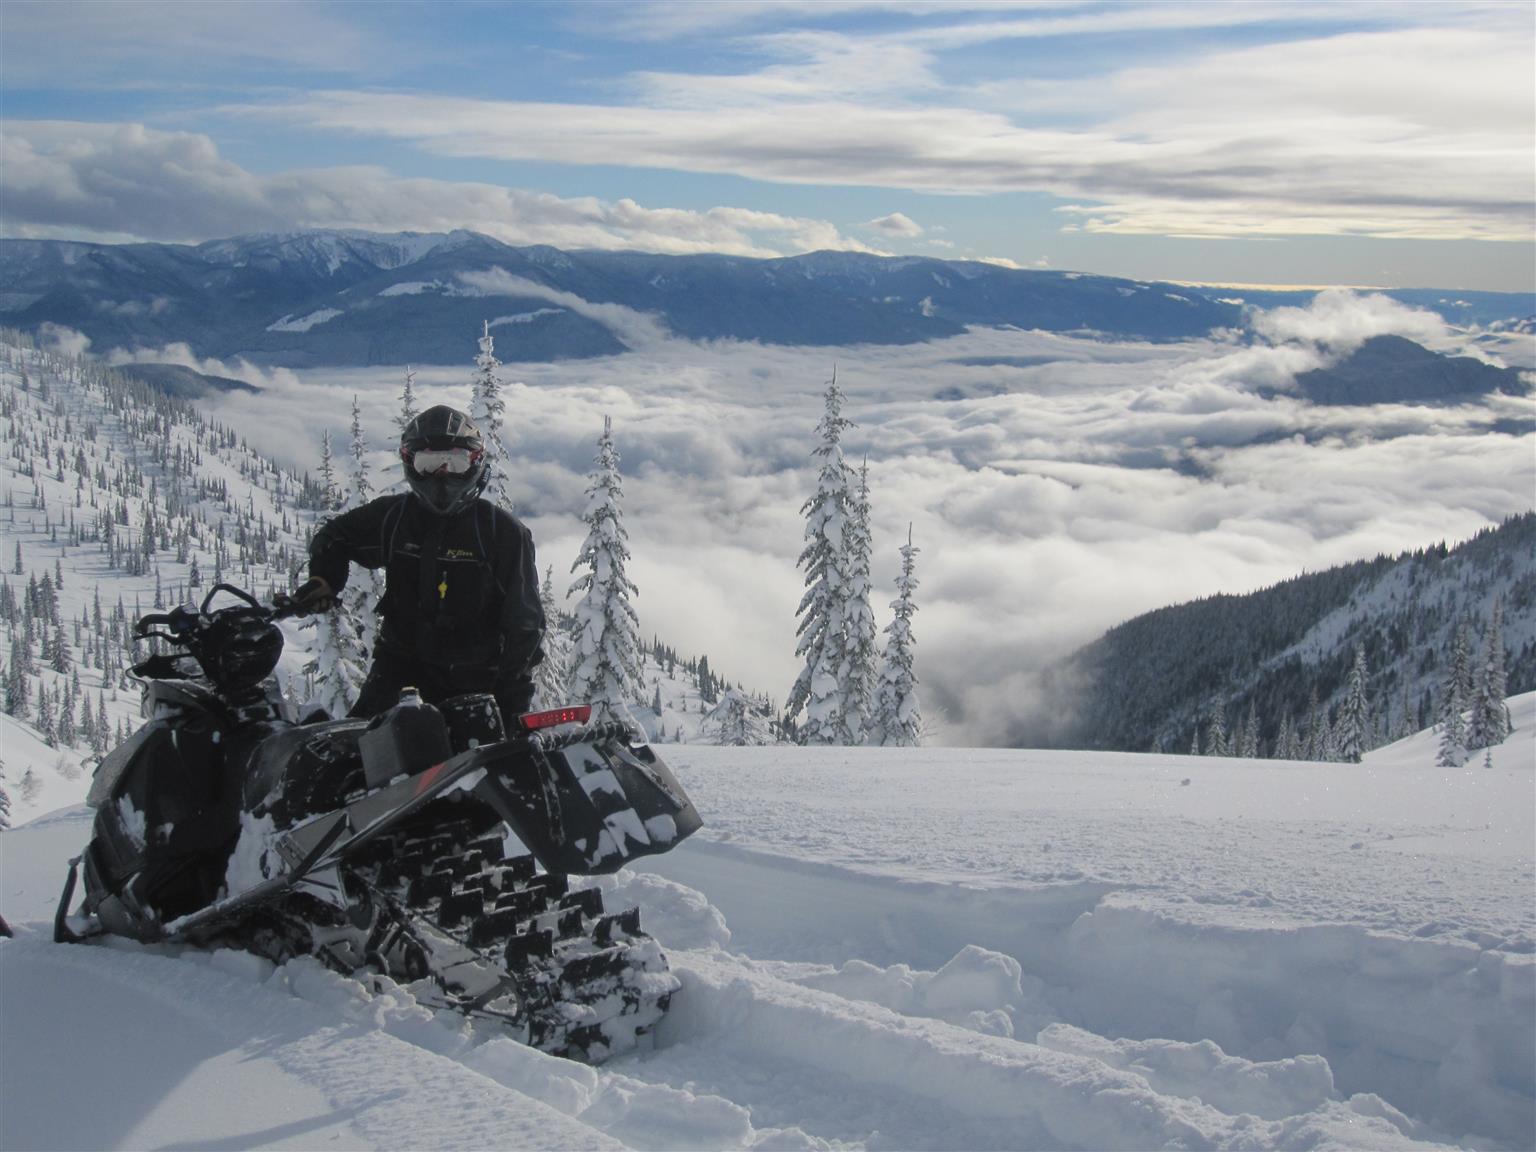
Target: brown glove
point(310, 597)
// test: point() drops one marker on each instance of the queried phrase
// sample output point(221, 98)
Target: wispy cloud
point(1419, 132)
point(121, 181)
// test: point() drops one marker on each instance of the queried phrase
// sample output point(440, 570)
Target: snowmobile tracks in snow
point(471, 928)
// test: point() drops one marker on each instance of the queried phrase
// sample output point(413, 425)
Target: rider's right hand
point(314, 595)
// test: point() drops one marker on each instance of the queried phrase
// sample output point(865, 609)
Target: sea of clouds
point(1055, 485)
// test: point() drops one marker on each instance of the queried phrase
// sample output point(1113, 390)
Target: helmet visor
point(444, 461)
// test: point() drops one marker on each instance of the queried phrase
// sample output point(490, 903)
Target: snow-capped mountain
point(355, 298)
point(1148, 683)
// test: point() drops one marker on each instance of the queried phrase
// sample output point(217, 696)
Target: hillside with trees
point(1410, 630)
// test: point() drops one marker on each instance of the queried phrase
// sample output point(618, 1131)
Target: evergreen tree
point(488, 411)
point(607, 642)
point(408, 409)
point(1216, 726)
point(860, 636)
point(820, 691)
point(5, 801)
point(1490, 715)
point(898, 718)
point(338, 661)
point(1453, 703)
point(552, 675)
point(1285, 740)
point(735, 721)
point(1317, 723)
point(1355, 717)
point(365, 587)
point(1248, 745)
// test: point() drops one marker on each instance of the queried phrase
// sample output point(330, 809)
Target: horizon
point(1267, 145)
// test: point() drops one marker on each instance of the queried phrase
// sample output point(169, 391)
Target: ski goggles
point(444, 461)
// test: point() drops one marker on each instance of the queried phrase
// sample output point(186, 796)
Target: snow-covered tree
point(1453, 703)
point(820, 691)
point(898, 717)
point(364, 587)
point(1248, 742)
point(5, 801)
point(607, 641)
point(488, 410)
point(408, 409)
point(1355, 716)
point(1216, 726)
point(736, 721)
point(338, 660)
point(1489, 723)
point(860, 634)
point(552, 675)
point(1316, 745)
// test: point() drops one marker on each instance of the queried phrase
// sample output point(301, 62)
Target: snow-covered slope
point(897, 949)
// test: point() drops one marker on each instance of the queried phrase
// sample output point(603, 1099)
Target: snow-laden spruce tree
point(1489, 723)
point(820, 690)
point(552, 675)
point(1355, 714)
point(1453, 703)
point(1216, 726)
point(898, 717)
point(364, 587)
point(408, 408)
point(1248, 742)
point(736, 721)
point(338, 660)
point(607, 638)
point(488, 410)
point(860, 634)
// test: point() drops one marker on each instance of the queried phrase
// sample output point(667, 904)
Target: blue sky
point(1301, 143)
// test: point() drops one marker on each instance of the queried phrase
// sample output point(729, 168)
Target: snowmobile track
point(501, 939)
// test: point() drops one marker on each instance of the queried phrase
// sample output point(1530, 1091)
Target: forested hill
point(1151, 682)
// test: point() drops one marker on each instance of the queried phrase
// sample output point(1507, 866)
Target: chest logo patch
point(442, 589)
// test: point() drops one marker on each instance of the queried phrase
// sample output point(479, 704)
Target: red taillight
point(533, 721)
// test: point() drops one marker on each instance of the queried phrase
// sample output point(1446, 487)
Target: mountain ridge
point(410, 297)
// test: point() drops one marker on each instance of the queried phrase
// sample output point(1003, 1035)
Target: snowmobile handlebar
point(183, 622)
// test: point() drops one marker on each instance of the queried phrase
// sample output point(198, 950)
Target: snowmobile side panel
point(591, 804)
point(326, 840)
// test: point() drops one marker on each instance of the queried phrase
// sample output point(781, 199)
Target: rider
point(460, 611)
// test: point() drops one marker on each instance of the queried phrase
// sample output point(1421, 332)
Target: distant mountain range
point(351, 298)
point(1147, 683)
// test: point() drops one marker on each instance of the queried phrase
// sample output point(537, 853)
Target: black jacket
point(460, 592)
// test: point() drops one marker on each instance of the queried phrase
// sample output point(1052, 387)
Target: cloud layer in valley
point(1055, 486)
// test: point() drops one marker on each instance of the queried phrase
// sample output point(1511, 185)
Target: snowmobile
point(432, 846)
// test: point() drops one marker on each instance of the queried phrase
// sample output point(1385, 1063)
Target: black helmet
point(444, 459)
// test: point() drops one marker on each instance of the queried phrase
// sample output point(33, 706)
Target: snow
point(898, 948)
point(303, 323)
point(412, 288)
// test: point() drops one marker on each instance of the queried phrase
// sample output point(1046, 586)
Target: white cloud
point(120, 181)
point(1409, 131)
point(896, 224)
point(1340, 321)
point(636, 330)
